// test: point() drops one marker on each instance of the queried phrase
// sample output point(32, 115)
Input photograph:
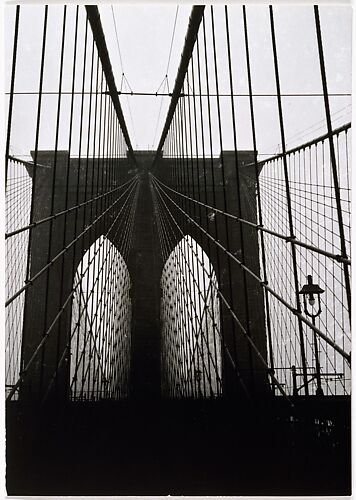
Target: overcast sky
point(145, 34)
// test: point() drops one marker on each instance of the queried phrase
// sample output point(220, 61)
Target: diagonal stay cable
point(228, 306)
point(259, 227)
point(163, 234)
point(202, 296)
point(124, 237)
point(30, 281)
point(64, 212)
point(65, 304)
point(172, 39)
point(123, 234)
point(261, 282)
point(117, 38)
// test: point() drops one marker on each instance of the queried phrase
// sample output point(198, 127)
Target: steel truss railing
point(298, 206)
point(86, 235)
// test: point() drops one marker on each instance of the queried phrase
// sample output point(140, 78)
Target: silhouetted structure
point(156, 338)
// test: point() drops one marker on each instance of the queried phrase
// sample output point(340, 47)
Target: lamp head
point(309, 291)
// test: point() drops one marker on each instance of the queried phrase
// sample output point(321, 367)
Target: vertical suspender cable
point(38, 121)
point(333, 157)
point(289, 204)
point(12, 86)
point(259, 206)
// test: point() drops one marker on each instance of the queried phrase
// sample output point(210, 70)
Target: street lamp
point(309, 291)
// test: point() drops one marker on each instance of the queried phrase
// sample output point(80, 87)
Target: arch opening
point(100, 325)
point(191, 361)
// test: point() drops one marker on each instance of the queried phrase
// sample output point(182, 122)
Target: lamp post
point(309, 291)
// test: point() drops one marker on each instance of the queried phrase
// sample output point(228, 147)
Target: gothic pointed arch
point(191, 361)
point(101, 325)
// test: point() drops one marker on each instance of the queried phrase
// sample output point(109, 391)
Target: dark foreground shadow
point(180, 448)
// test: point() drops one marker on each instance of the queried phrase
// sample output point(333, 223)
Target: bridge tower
point(248, 303)
point(62, 183)
point(145, 266)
